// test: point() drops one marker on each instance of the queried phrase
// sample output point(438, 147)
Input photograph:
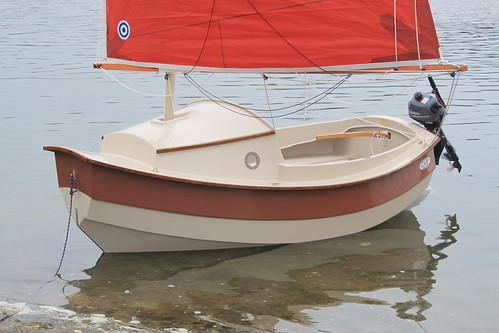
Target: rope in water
point(57, 273)
point(72, 191)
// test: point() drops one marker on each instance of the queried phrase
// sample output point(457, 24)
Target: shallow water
point(431, 269)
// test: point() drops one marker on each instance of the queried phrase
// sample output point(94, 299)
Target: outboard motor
point(425, 109)
point(428, 111)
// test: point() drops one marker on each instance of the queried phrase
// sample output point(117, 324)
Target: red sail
point(270, 35)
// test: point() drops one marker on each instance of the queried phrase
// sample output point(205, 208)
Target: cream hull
point(115, 228)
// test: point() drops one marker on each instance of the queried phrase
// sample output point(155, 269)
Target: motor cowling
point(425, 109)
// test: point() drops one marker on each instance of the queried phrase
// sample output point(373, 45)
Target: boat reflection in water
point(260, 288)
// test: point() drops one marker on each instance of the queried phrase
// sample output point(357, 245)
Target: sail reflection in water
point(262, 287)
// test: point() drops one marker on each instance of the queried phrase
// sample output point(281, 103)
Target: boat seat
point(312, 152)
point(320, 149)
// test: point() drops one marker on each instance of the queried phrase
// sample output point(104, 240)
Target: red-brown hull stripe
point(127, 187)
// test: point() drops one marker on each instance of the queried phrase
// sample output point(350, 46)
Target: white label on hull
point(424, 163)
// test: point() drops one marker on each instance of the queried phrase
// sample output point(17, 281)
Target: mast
point(169, 95)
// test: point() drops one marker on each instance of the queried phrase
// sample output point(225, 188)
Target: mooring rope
point(57, 273)
point(72, 191)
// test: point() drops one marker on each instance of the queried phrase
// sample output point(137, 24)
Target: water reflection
point(258, 288)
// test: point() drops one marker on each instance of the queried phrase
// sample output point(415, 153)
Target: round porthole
point(252, 160)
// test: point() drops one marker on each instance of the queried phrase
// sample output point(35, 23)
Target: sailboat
point(215, 174)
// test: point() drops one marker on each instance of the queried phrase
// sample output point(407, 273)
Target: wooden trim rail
point(354, 135)
point(214, 143)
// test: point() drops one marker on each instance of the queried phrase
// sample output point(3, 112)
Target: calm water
point(431, 269)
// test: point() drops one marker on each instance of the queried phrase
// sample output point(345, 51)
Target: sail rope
point(284, 38)
point(395, 37)
point(182, 92)
point(416, 28)
point(308, 82)
point(455, 79)
point(210, 21)
point(410, 84)
point(265, 78)
point(308, 102)
point(374, 81)
point(377, 80)
point(264, 19)
point(101, 37)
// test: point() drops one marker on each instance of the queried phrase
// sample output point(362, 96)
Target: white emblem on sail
point(123, 29)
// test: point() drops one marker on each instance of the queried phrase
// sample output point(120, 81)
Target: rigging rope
point(265, 78)
point(100, 52)
point(313, 100)
point(416, 26)
point(149, 94)
point(381, 100)
point(206, 93)
point(205, 37)
point(455, 79)
point(260, 14)
point(284, 38)
point(377, 80)
point(395, 37)
point(307, 102)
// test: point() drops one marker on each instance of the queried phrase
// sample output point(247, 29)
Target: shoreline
point(24, 319)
